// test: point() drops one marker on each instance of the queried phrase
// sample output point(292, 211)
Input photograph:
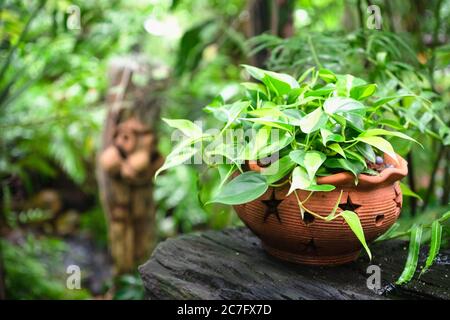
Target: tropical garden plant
point(297, 130)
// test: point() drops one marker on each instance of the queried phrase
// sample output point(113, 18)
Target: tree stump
point(231, 264)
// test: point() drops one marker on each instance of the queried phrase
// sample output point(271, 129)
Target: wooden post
point(127, 162)
point(272, 16)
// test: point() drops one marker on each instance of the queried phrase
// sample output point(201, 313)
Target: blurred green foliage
point(93, 222)
point(54, 80)
point(33, 269)
point(129, 287)
point(53, 84)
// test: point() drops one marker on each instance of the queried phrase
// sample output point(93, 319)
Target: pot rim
point(387, 176)
point(347, 179)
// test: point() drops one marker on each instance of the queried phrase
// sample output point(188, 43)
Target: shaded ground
point(94, 262)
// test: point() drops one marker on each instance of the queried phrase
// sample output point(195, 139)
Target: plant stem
point(300, 203)
point(430, 188)
point(307, 142)
point(313, 52)
point(425, 102)
point(390, 17)
point(412, 184)
point(229, 173)
point(279, 184)
point(407, 232)
point(348, 147)
point(432, 62)
point(446, 194)
point(360, 15)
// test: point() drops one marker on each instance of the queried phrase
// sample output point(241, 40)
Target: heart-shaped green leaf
point(312, 162)
point(353, 166)
point(300, 179)
point(343, 105)
point(328, 136)
point(177, 157)
point(313, 121)
point(297, 156)
point(278, 169)
point(188, 128)
point(337, 148)
point(278, 83)
point(246, 187)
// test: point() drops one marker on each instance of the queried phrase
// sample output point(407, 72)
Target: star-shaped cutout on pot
point(349, 205)
point(311, 246)
point(272, 207)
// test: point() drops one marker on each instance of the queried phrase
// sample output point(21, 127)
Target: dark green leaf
point(389, 233)
point(355, 156)
point(321, 92)
point(367, 151)
point(279, 83)
point(246, 187)
point(381, 144)
point(407, 192)
point(278, 169)
point(444, 217)
point(327, 75)
point(362, 92)
point(191, 47)
point(353, 166)
point(337, 148)
point(328, 136)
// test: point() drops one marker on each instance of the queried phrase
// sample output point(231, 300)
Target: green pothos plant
point(300, 129)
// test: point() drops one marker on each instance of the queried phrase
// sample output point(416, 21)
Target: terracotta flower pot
point(275, 218)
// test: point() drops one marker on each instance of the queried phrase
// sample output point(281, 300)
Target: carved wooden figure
point(127, 162)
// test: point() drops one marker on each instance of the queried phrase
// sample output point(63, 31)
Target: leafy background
point(53, 84)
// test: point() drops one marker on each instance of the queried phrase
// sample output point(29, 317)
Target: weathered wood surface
point(230, 264)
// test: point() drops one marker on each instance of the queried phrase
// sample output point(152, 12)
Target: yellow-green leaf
point(353, 222)
point(413, 255)
point(435, 244)
point(381, 144)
